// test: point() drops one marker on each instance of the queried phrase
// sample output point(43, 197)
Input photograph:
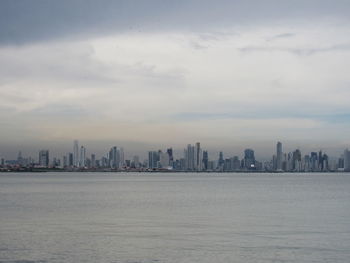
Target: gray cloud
point(285, 35)
point(58, 111)
point(280, 36)
point(161, 72)
point(297, 51)
point(37, 20)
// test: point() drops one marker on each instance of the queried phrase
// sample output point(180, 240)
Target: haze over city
point(152, 74)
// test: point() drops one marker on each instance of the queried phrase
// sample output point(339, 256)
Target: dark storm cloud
point(23, 21)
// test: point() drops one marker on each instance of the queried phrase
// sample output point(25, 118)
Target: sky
point(147, 75)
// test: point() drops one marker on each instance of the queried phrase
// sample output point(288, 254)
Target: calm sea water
point(141, 218)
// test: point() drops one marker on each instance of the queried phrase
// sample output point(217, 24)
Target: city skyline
point(168, 131)
point(143, 73)
point(262, 151)
point(194, 158)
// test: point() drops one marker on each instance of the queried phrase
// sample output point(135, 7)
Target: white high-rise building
point(189, 157)
point(164, 159)
point(76, 154)
point(82, 156)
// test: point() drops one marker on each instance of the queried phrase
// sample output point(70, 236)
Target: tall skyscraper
point(164, 159)
point(76, 154)
point(347, 160)
point(197, 157)
point(297, 160)
point(70, 160)
point(20, 158)
point(279, 155)
point(153, 159)
point(325, 165)
point(44, 158)
point(314, 161)
point(110, 157)
point(307, 163)
point(114, 157)
point(189, 157)
point(320, 161)
point(93, 160)
point(82, 157)
point(205, 160)
point(65, 161)
point(121, 157)
point(249, 159)
point(170, 154)
point(221, 161)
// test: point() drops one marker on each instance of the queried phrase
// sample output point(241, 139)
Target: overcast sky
point(152, 74)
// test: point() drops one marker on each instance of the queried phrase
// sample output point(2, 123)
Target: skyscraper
point(93, 160)
point(221, 161)
point(325, 164)
point(153, 159)
point(347, 160)
point(205, 160)
point(164, 159)
point(114, 157)
point(236, 163)
point(320, 161)
point(189, 157)
point(170, 154)
point(76, 154)
point(279, 157)
point(197, 157)
point(82, 156)
point(20, 158)
point(121, 159)
point(297, 160)
point(314, 161)
point(307, 163)
point(44, 158)
point(65, 161)
point(70, 159)
point(249, 159)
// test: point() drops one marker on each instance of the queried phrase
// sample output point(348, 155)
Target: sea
point(174, 217)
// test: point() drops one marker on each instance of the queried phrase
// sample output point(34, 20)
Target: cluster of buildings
point(193, 159)
point(196, 159)
point(78, 159)
point(313, 162)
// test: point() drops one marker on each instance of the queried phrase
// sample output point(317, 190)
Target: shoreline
point(153, 171)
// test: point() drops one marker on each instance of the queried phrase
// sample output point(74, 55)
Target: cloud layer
point(219, 82)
